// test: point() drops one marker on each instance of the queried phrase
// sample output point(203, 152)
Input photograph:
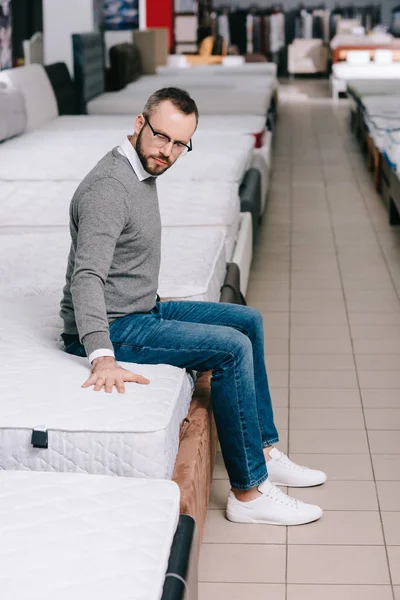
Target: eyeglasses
point(160, 140)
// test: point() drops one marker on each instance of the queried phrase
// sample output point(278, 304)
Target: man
point(111, 313)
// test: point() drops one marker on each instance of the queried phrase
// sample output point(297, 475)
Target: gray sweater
point(114, 260)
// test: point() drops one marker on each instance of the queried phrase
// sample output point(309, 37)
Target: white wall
point(62, 18)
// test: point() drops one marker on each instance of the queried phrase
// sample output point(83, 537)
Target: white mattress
point(56, 155)
point(364, 87)
point(133, 435)
point(124, 124)
point(209, 101)
point(65, 536)
point(208, 203)
point(193, 263)
point(379, 126)
point(243, 254)
point(187, 203)
point(382, 106)
point(35, 203)
point(214, 158)
point(268, 69)
point(343, 70)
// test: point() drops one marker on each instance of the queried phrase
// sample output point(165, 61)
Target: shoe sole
point(291, 485)
point(265, 522)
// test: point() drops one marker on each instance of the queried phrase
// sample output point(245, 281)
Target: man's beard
point(145, 160)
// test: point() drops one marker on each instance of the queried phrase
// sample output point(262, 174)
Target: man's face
point(156, 153)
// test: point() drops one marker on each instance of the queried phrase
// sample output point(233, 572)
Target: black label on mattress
point(40, 439)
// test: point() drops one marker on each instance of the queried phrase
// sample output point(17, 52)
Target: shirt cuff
point(99, 353)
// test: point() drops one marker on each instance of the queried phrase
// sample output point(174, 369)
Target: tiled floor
point(326, 277)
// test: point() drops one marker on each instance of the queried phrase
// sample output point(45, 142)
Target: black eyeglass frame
point(189, 146)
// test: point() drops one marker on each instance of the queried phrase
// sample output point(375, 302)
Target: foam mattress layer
point(57, 155)
point(193, 262)
point(212, 204)
point(77, 536)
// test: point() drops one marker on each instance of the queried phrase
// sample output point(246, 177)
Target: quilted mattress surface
point(135, 434)
point(66, 536)
point(188, 203)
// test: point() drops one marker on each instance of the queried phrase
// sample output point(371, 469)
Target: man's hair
point(180, 99)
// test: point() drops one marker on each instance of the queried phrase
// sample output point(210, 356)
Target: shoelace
point(285, 460)
point(279, 496)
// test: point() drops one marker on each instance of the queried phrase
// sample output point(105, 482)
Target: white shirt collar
point(127, 150)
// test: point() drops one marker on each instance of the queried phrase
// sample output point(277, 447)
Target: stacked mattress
point(86, 432)
point(74, 536)
point(202, 229)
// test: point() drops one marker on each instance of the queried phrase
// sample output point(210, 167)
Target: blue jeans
point(228, 340)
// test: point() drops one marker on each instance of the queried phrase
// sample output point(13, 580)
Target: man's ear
point(139, 123)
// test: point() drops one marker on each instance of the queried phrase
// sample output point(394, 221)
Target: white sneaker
point(283, 471)
point(273, 507)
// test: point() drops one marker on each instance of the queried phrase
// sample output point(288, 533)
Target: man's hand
point(107, 373)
